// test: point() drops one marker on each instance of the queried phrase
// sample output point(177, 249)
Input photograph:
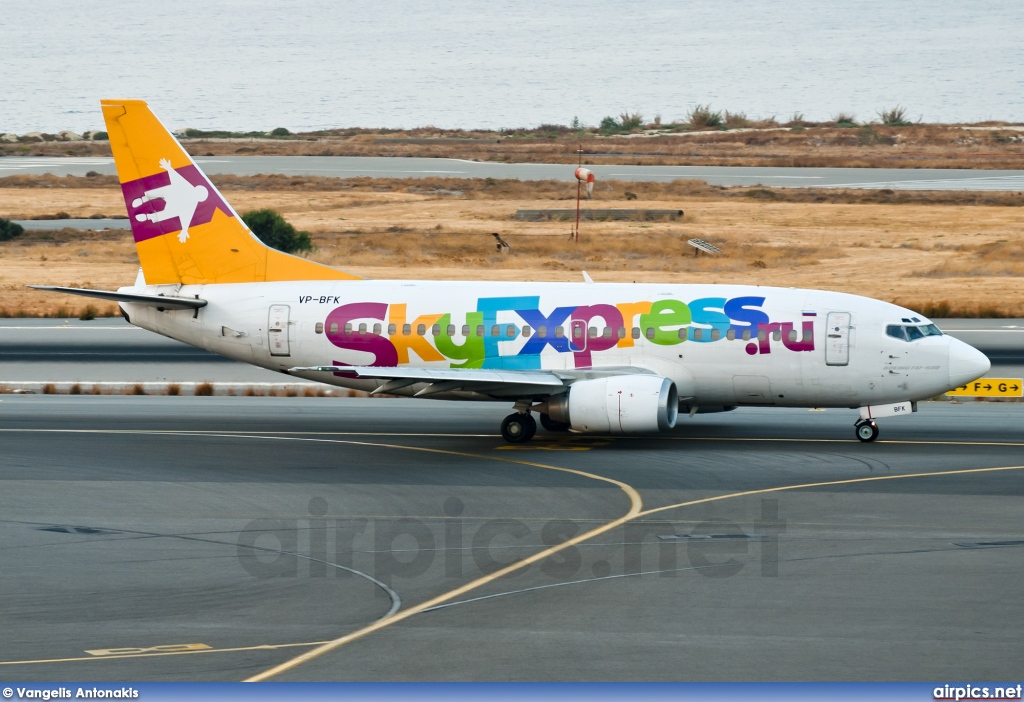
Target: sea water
point(310, 64)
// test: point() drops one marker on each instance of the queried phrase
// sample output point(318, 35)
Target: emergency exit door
point(837, 346)
point(277, 327)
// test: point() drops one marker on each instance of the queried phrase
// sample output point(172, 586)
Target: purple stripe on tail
point(156, 204)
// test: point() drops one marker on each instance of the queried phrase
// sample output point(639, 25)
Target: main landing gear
point(518, 427)
point(866, 430)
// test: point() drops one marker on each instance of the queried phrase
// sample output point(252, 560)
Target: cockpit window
point(896, 332)
point(911, 332)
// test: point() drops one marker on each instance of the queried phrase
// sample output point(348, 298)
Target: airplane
point(586, 357)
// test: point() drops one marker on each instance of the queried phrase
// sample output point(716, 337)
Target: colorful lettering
point(587, 329)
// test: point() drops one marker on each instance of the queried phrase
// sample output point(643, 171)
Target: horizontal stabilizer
point(160, 301)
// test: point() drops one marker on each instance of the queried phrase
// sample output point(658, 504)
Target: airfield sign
point(991, 387)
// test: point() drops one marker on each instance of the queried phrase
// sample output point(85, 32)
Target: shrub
point(271, 228)
point(88, 313)
point(280, 131)
point(100, 136)
point(703, 117)
point(736, 120)
point(845, 119)
point(608, 126)
point(9, 230)
point(173, 389)
point(204, 390)
point(894, 117)
point(628, 122)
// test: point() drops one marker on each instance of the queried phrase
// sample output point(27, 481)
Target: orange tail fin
point(185, 231)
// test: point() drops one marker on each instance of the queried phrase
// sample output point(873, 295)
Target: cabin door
point(837, 339)
point(277, 329)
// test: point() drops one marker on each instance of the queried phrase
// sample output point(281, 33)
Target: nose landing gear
point(866, 430)
point(518, 427)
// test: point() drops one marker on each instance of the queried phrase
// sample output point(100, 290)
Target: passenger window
point(762, 334)
point(526, 331)
point(435, 330)
point(421, 329)
point(348, 327)
point(913, 333)
point(577, 332)
point(319, 328)
point(392, 329)
point(791, 335)
point(777, 335)
point(480, 330)
point(896, 332)
point(622, 332)
point(607, 333)
point(649, 332)
point(376, 328)
point(362, 328)
point(746, 335)
point(450, 330)
point(698, 334)
point(334, 328)
point(510, 331)
point(731, 335)
point(716, 334)
point(592, 333)
point(465, 330)
point(542, 332)
point(684, 332)
point(808, 335)
point(495, 330)
point(559, 332)
point(406, 329)
point(636, 332)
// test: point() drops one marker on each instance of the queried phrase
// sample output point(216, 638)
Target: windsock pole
point(579, 184)
point(576, 233)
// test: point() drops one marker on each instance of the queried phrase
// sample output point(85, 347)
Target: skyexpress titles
point(385, 331)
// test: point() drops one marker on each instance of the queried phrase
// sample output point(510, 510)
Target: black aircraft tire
point(867, 431)
point(516, 428)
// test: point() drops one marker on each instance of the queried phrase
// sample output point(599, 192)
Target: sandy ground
point(915, 254)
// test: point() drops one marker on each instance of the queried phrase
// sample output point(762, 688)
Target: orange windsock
point(585, 175)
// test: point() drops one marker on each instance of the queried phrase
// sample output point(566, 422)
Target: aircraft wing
point(488, 382)
point(439, 380)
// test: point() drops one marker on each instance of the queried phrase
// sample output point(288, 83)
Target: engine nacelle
point(621, 404)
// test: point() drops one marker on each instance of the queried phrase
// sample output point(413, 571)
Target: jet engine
point(621, 404)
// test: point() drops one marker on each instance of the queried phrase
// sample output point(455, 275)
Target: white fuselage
point(723, 345)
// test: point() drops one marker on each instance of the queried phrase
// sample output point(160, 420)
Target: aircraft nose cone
point(966, 363)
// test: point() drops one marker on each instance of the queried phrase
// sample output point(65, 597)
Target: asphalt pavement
point(391, 167)
point(178, 538)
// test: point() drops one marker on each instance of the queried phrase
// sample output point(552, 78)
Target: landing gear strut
point(518, 427)
point(866, 430)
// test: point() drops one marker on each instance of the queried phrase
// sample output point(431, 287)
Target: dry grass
point(899, 246)
point(876, 145)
